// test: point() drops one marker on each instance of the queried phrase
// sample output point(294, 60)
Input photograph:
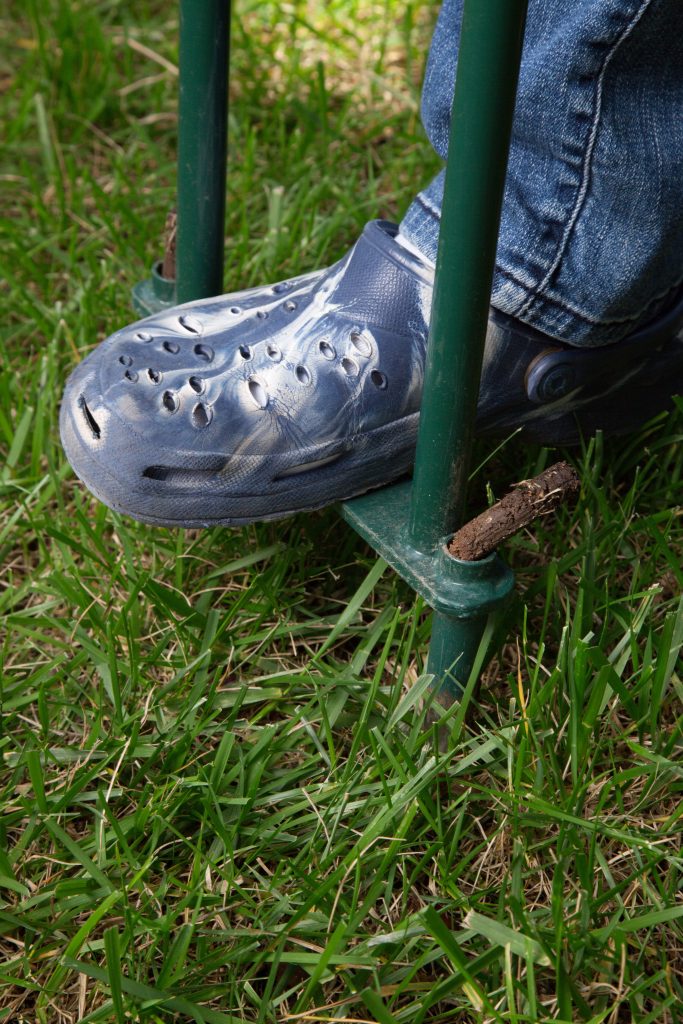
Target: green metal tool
point(483, 106)
point(202, 144)
point(408, 525)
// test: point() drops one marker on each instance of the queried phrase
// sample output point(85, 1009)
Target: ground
point(223, 797)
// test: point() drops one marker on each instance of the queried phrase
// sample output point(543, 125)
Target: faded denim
point(591, 239)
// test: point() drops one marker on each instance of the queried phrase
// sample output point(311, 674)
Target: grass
point(221, 797)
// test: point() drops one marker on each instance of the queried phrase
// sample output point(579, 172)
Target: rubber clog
point(265, 402)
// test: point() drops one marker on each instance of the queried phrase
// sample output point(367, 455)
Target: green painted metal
point(483, 106)
point(459, 589)
point(409, 527)
point(453, 649)
point(462, 594)
point(202, 161)
point(153, 294)
point(202, 141)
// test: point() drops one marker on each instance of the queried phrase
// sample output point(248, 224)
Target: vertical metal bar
point(452, 651)
point(488, 65)
point(202, 141)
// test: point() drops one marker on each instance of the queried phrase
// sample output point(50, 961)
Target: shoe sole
point(347, 475)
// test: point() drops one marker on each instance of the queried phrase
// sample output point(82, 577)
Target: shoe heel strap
point(556, 372)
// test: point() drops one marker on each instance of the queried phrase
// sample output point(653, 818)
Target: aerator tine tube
point(481, 121)
point(202, 144)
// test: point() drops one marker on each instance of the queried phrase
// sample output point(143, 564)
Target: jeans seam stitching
point(581, 314)
point(587, 163)
point(433, 210)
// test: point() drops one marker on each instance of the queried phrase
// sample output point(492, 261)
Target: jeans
point(591, 235)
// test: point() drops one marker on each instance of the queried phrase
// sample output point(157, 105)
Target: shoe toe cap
point(247, 405)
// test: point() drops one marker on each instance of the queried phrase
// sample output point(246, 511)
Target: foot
point(274, 400)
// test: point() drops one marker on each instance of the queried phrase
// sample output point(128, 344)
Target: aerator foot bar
point(462, 594)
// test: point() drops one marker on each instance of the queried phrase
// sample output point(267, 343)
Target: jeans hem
point(547, 313)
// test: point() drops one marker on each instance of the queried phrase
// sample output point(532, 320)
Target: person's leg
point(288, 397)
point(591, 237)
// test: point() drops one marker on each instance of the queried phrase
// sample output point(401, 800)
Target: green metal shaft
point(452, 650)
point(202, 140)
point(483, 106)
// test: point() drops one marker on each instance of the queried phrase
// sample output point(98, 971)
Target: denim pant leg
point(591, 237)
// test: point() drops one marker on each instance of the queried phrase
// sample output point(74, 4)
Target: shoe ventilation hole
point(289, 305)
point(258, 393)
point(197, 384)
point(379, 379)
point(274, 353)
point(284, 286)
point(201, 415)
point(172, 346)
point(361, 343)
point(144, 336)
point(154, 376)
point(235, 310)
point(261, 314)
point(204, 352)
point(89, 418)
point(307, 467)
point(327, 350)
point(126, 360)
point(191, 324)
point(170, 401)
point(182, 475)
point(302, 375)
point(245, 352)
point(131, 375)
point(350, 367)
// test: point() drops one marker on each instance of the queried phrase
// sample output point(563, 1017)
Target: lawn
point(223, 796)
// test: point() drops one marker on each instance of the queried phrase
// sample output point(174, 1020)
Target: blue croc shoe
point(269, 401)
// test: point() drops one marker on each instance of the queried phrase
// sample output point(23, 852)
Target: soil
point(539, 496)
